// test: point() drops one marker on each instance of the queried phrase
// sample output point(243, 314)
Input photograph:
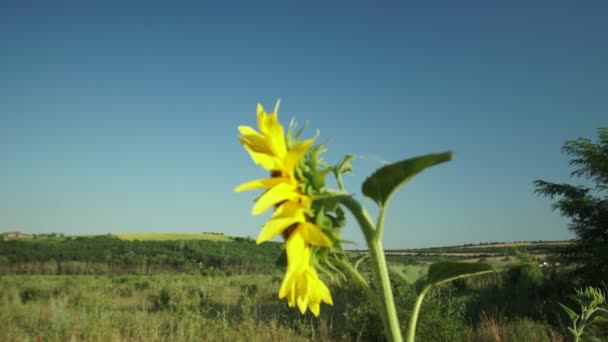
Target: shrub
point(441, 317)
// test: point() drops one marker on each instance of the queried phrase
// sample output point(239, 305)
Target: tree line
point(108, 254)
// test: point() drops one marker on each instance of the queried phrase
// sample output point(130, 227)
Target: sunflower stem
point(360, 280)
point(387, 305)
point(386, 302)
point(380, 223)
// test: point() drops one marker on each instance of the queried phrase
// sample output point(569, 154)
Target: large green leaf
point(382, 183)
point(445, 271)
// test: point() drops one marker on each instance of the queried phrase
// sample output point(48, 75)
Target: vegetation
point(109, 255)
point(586, 206)
point(188, 307)
point(156, 287)
point(590, 301)
point(521, 304)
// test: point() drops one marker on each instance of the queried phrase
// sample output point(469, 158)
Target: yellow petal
point(302, 304)
point(298, 260)
point(254, 140)
point(265, 183)
point(289, 209)
point(248, 130)
point(277, 194)
point(275, 136)
point(326, 295)
point(296, 153)
point(313, 235)
point(315, 308)
point(298, 253)
point(264, 160)
point(276, 227)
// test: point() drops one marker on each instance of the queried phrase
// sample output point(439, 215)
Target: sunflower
point(302, 285)
point(293, 217)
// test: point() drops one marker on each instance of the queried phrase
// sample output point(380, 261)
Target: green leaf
point(384, 181)
point(573, 315)
point(599, 319)
point(331, 200)
point(442, 272)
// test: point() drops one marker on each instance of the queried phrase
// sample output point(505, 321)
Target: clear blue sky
point(121, 116)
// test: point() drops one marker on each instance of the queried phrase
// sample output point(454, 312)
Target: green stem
point(380, 223)
point(361, 215)
point(411, 331)
point(387, 304)
point(360, 280)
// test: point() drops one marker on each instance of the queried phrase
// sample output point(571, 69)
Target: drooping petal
point(276, 227)
point(248, 130)
point(326, 295)
point(267, 161)
point(277, 194)
point(315, 308)
point(302, 297)
point(313, 235)
point(286, 215)
point(265, 183)
point(289, 209)
point(298, 260)
point(254, 140)
point(295, 154)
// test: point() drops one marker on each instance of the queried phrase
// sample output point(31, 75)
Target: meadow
point(185, 307)
point(517, 303)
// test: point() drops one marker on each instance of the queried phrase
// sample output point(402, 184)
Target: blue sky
point(121, 116)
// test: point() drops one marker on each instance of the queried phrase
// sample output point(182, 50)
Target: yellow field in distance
point(173, 236)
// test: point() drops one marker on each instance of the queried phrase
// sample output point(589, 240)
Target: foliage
point(586, 206)
point(591, 301)
point(441, 317)
point(109, 255)
point(492, 329)
point(169, 308)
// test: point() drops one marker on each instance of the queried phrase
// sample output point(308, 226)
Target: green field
point(173, 236)
point(173, 287)
point(191, 307)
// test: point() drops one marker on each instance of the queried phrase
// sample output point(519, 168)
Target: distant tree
point(586, 206)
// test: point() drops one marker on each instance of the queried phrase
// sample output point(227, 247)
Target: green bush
point(441, 317)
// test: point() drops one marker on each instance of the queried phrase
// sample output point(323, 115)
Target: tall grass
point(147, 308)
point(193, 307)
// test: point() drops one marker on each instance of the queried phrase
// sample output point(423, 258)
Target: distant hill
point(539, 250)
point(175, 236)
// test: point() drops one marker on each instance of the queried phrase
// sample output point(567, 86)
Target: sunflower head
point(308, 222)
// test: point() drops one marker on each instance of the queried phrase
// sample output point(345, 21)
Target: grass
point(149, 308)
point(173, 236)
point(192, 307)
